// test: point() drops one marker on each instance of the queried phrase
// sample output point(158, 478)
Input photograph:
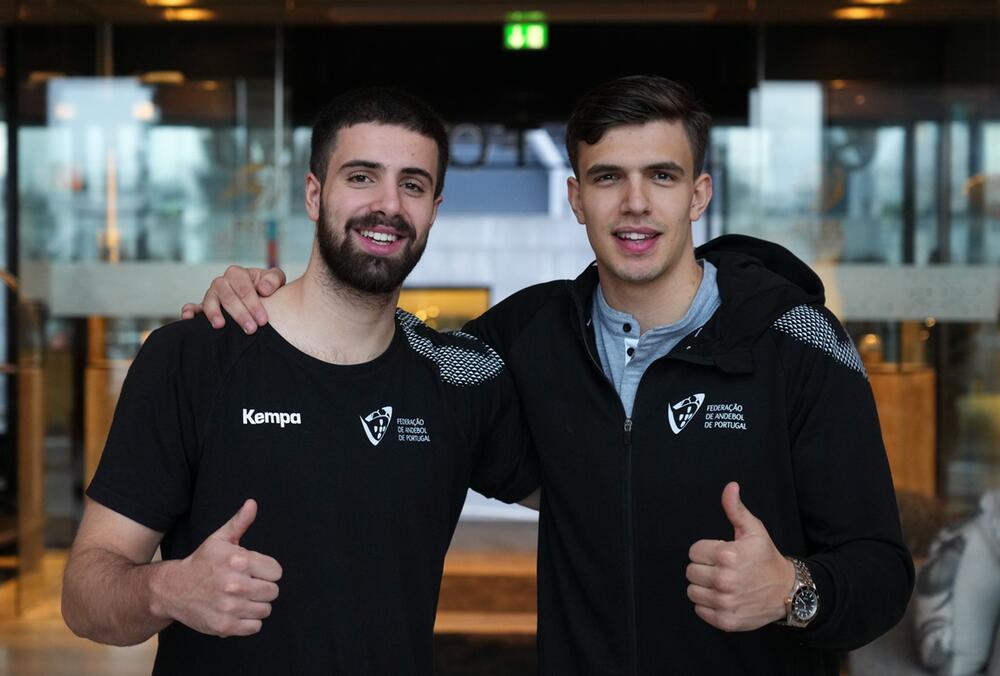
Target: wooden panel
point(31, 484)
point(101, 385)
point(908, 415)
point(488, 624)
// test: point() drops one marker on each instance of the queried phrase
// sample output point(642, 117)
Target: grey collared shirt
point(625, 355)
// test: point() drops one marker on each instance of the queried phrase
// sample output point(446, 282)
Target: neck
point(321, 317)
point(656, 302)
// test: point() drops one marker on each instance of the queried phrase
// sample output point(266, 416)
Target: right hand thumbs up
point(232, 530)
point(257, 565)
point(222, 588)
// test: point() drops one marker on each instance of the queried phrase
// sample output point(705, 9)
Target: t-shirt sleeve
point(505, 463)
point(147, 469)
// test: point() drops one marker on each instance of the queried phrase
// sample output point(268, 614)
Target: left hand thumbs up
point(745, 524)
point(739, 584)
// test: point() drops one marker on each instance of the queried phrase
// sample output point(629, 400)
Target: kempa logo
point(252, 417)
point(376, 423)
point(681, 413)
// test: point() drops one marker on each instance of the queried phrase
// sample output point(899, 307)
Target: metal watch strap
point(803, 580)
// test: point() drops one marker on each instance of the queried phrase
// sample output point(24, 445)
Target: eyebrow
point(417, 171)
point(598, 169)
point(368, 164)
point(666, 166)
point(364, 164)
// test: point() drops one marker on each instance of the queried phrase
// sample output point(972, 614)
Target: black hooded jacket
point(770, 393)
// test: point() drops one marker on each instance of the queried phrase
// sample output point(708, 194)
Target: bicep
point(105, 529)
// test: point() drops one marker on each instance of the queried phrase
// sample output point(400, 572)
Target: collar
point(705, 349)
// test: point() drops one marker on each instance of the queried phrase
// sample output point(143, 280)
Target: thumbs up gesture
point(739, 584)
point(221, 588)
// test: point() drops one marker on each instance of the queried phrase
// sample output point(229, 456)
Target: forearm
point(110, 599)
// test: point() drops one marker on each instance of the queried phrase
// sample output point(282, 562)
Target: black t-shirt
point(359, 472)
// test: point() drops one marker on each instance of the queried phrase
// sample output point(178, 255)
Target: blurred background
point(146, 144)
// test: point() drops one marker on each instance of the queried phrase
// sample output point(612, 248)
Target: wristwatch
point(802, 601)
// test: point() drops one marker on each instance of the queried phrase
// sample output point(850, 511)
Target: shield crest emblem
point(681, 413)
point(376, 423)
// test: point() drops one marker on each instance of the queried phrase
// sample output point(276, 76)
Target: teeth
point(634, 236)
point(382, 237)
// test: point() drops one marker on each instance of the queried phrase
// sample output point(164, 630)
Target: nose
point(635, 201)
point(386, 200)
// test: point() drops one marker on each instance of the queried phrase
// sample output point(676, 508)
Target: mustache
point(397, 223)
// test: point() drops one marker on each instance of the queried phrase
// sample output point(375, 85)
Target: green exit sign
point(526, 30)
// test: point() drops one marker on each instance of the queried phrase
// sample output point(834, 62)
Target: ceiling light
point(188, 14)
point(860, 13)
point(169, 3)
point(161, 77)
point(879, 2)
point(37, 77)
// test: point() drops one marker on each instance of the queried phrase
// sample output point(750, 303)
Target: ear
point(314, 196)
point(573, 194)
point(701, 197)
point(434, 209)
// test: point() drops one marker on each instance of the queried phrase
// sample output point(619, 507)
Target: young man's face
point(376, 205)
point(637, 194)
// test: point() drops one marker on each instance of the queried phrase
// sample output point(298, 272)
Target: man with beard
point(327, 455)
point(716, 497)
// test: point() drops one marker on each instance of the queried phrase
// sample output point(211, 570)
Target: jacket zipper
point(633, 665)
point(629, 553)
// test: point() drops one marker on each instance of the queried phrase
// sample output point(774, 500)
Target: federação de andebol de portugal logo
point(376, 423)
point(681, 413)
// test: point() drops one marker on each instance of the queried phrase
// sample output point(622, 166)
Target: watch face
point(805, 604)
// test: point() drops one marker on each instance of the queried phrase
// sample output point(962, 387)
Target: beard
point(361, 271)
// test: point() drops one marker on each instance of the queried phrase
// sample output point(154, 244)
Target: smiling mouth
point(383, 238)
point(636, 236)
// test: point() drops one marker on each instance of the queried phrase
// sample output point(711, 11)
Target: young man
point(327, 455)
point(663, 380)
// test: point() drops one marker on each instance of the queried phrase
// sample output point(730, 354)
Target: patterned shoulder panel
point(461, 359)
point(810, 326)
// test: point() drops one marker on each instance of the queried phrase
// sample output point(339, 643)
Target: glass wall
point(125, 165)
point(8, 454)
point(111, 174)
point(890, 193)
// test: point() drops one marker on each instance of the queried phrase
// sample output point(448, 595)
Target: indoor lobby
point(146, 145)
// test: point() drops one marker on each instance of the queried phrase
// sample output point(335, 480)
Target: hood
point(758, 282)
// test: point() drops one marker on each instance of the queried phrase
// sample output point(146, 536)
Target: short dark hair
point(637, 99)
point(376, 105)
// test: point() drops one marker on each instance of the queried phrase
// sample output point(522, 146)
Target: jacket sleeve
point(862, 570)
point(502, 325)
point(506, 464)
